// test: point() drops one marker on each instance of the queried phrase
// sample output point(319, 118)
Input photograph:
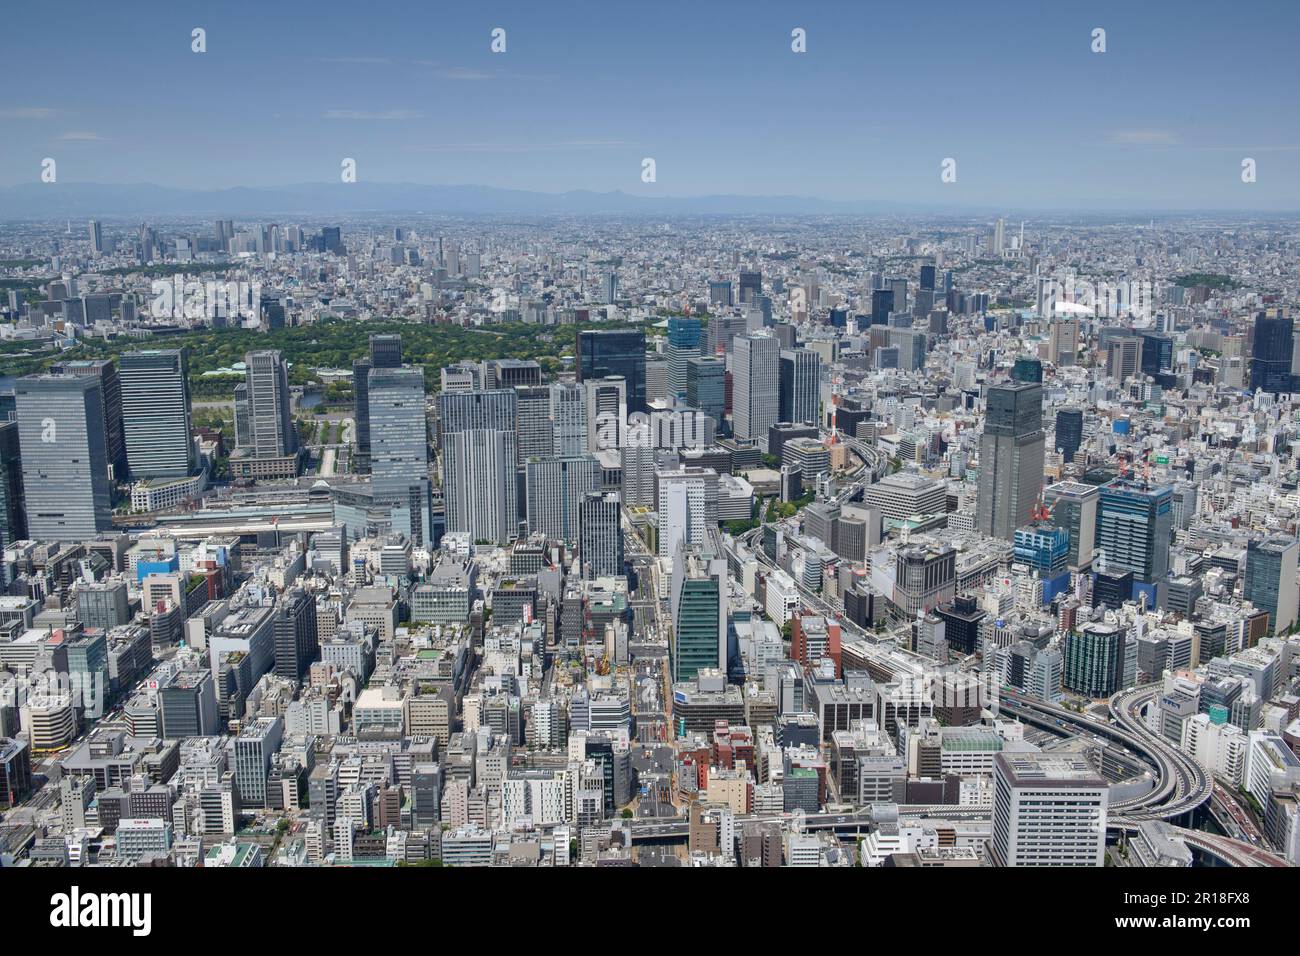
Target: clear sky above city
point(712, 91)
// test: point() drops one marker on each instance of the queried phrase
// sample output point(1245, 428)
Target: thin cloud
point(462, 73)
point(357, 60)
point(576, 144)
point(82, 136)
point(28, 112)
point(1280, 148)
point(1143, 137)
point(382, 115)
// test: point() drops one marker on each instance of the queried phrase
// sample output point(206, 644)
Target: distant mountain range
point(102, 200)
point(140, 200)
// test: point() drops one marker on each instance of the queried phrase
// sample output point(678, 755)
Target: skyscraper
point(600, 544)
point(706, 386)
point(1011, 459)
point(1270, 353)
point(495, 409)
point(1069, 432)
point(606, 413)
point(756, 386)
point(684, 336)
point(698, 593)
point(751, 287)
point(399, 448)
point(534, 430)
point(385, 352)
point(555, 487)
point(106, 372)
point(266, 441)
point(1270, 582)
point(1072, 506)
point(156, 413)
point(479, 483)
point(568, 419)
point(800, 385)
point(1134, 524)
point(64, 457)
point(13, 518)
point(614, 352)
point(96, 238)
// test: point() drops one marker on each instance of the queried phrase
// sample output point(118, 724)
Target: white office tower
point(569, 419)
point(687, 506)
point(479, 484)
point(554, 488)
point(606, 411)
point(756, 386)
point(1048, 810)
point(637, 457)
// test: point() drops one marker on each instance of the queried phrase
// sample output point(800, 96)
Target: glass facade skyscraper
point(601, 353)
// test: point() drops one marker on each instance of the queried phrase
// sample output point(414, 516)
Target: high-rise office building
point(1048, 810)
point(479, 483)
point(1134, 524)
point(698, 592)
point(13, 515)
point(1271, 348)
point(614, 352)
point(495, 409)
point(1270, 583)
point(399, 449)
point(750, 287)
point(600, 545)
point(257, 742)
point(568, 419)
point(882, 303)
point(156, 413)
point(706, 386)
point(555, 488)
point(1011, 459)
point(1096, 659)
point(756, 386)
point(96, 238)
point(266, 440)
point(800, 385)
point(534, 431)
point(1069, 432)
point(1072, 506)
point(606, 412)
point(684, 338)
point(106, 372)
point(686, 500)
point(296, 643)
point(385, 352)
point(64, 457)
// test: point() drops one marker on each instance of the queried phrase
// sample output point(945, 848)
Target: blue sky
point(710, 90)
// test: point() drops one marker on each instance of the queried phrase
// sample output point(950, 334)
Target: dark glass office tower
point(1011, 459)
point(1270, 354)
point(751, 287)
point(927, 278)
point(1158, 354)
point(1069, 432)
point(615, 352)
point(386, 351)
point(1027, 370)
point(882, 303)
